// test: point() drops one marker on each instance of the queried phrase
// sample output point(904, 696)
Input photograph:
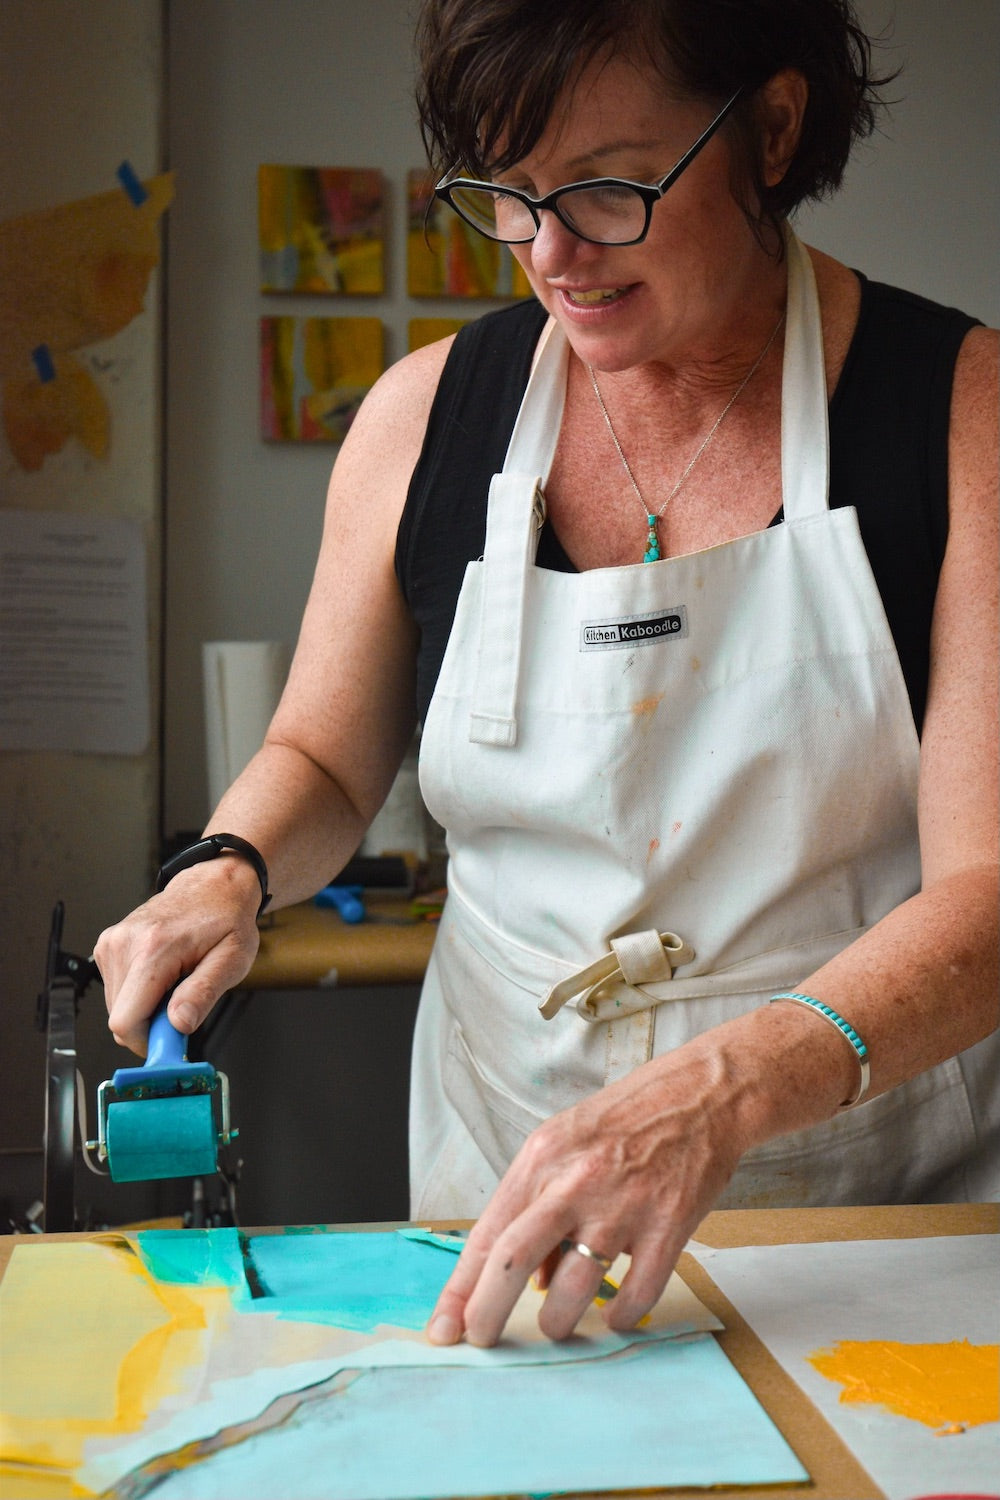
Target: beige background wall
point(81, 89)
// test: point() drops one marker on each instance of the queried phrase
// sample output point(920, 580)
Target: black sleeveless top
point(889, 422)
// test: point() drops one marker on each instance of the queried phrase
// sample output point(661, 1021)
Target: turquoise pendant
point(652, 553)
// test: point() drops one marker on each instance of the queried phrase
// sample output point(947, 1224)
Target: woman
point(709, 714)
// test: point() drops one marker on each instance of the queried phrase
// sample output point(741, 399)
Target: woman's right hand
point(198, 936)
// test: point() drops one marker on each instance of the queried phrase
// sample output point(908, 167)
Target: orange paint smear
point(647, 706)
point(937, 1384)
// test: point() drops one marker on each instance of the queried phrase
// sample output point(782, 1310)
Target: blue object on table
point(346, 899)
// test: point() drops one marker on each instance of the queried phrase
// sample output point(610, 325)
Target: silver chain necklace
point(652, 553)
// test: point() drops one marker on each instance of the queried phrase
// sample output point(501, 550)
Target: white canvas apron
point(718, 746)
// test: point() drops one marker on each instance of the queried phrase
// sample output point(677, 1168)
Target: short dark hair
point(491, 70)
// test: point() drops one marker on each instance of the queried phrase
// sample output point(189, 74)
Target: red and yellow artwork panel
point(314, 374)
point(445, 257)
point(321, 229)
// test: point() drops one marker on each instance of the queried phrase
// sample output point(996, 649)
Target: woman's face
point(699, 268)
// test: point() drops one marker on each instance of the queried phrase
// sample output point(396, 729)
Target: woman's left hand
point(633, 1168)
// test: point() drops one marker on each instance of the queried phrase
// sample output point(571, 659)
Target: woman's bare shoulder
point(397, 407)
point(974, 438)
point(977, 374)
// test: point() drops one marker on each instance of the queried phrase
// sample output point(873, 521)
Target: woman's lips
point(586, 305)
point(585, 299)
point(593, 296)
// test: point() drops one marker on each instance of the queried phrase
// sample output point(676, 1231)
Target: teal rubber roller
point(166, 1118)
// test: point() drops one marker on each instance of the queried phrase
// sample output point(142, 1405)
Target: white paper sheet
point(74, 653)
point(801, 1298)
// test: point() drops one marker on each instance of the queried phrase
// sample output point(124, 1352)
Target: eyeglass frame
point(649, 193)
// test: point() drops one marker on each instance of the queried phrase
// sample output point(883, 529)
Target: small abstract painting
point(314, 374)
point(321, 229)
point(447, 258)
point(423, 331)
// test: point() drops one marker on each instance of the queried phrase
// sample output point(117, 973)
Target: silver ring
point(605, 1262)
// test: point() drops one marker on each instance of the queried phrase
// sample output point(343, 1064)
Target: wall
point(80, 90)
point(256, 81)
point(921, 204)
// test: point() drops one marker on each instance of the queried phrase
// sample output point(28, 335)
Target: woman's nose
point(555, 248)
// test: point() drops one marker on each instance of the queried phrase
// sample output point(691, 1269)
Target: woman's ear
point(782, 108)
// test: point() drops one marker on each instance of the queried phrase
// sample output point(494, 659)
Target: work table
point(312, 947)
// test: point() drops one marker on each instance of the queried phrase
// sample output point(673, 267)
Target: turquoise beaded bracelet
point(846, 1030)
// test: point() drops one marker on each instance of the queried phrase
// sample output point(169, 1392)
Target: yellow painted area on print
point(938, 1384)
point(20, 1483)
point(94, 1349)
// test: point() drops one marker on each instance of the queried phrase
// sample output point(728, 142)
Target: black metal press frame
point(67, 979)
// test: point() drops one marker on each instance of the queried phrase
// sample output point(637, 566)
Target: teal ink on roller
point(166, 1118)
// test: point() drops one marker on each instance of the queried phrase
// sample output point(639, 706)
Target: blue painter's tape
point(130, 182)
point(42, 359)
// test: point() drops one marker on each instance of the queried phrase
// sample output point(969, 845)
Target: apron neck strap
point(535, 434)
point(805, 435)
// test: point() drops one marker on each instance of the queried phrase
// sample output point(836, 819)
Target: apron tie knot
point(636, 958)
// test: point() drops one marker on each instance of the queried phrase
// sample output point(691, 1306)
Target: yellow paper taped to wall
point(70, 276)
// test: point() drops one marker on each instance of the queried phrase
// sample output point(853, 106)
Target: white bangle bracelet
point(846, 1030)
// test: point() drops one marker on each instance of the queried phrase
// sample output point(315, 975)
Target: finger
point(527, 1242)
point(194, 994)
point(517, 1192)
point(502, 1279)
point(136, 1000)
point(543, 1276)
point(575, 1284)
point(643, 1284)
point(446, 1324)
point(136, 973)
point(221, 969)
point(491, 1274)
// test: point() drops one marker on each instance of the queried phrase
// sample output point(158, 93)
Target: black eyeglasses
point(602, 210)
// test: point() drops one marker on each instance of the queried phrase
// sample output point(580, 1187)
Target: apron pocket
point(459, 1183)
point(498, 1123)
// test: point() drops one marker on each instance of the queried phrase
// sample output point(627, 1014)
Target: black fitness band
point(210, 848)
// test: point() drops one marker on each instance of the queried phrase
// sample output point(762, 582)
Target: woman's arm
point(923, 982)
point(333, 747)
point(635, 1167)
